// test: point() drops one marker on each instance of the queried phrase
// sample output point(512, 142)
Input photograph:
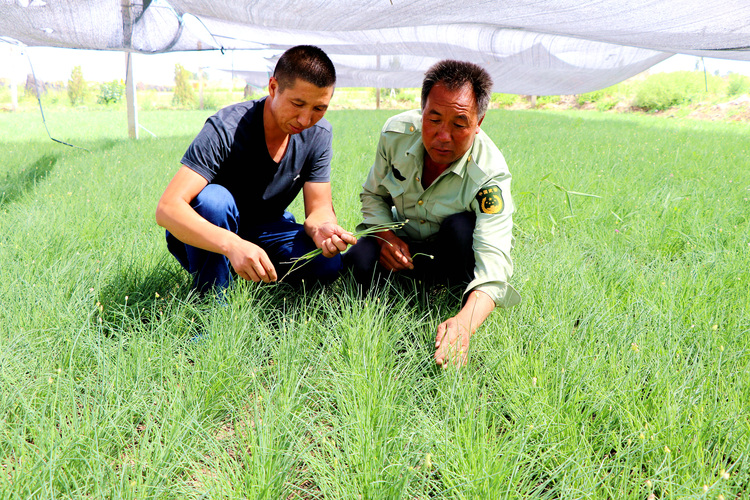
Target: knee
point(327, 269)
point(216, 204)
point(362, 258)
point(459, 227)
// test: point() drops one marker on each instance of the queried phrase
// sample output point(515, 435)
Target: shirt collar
point(417, 149)
point(458, 167)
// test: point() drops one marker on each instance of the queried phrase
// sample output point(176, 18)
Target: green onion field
point(624, 372)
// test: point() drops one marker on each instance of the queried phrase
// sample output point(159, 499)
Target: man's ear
point(273, 86)
point(479, 123)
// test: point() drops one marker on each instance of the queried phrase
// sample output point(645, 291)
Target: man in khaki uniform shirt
point(442, 176)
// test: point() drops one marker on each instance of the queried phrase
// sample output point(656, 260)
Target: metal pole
point(131, 97)
point(705, 78)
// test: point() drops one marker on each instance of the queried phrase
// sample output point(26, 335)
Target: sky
point(54, 64)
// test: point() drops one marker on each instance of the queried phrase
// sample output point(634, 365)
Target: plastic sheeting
point(530, 47)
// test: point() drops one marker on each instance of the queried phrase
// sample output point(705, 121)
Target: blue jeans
point(283, 240)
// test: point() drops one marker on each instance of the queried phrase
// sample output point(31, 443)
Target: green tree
point(737, 85)
point(111, 92)
point(183, 91)
point(77, 87)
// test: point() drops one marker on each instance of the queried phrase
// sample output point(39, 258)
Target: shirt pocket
point(395, 190)
point(393, 186)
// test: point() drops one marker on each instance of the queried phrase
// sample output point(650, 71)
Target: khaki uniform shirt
point(478, 182)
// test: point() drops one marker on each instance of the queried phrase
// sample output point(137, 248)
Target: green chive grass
point(369, 231)
point(623, 373)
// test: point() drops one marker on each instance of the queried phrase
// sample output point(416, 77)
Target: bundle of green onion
point(370, 231)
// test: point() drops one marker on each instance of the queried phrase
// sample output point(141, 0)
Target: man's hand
point(453, 334)
point(452, 342)
point(251, 262)
point(332, 238)
point(394, 252)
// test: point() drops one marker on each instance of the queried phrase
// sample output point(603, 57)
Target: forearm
point(476, 310)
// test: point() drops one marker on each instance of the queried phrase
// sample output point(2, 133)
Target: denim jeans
point(283, 240)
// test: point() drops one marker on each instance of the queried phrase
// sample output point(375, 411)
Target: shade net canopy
point(539, 47)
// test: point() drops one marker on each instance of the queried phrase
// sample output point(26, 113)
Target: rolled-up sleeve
point(493, 242)
point(321, 166)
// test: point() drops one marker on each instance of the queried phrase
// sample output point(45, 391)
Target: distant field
point(680, 94)
point(624, 373)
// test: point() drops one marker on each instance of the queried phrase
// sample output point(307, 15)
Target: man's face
point(299, 106)
point(449, 123)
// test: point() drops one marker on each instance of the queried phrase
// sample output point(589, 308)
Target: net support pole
point(127, 42)
point(131, 97)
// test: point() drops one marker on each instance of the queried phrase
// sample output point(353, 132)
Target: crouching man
point(226, 205)
point(440, 175)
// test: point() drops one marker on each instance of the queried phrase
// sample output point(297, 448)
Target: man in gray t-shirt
point(226, 206)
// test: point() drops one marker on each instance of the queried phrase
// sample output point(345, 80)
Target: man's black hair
point(307, 62)
point(454, 75)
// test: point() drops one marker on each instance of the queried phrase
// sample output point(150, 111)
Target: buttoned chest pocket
point(393, 185)
point(396, 192)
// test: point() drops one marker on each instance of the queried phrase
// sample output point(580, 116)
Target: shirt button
point(422, 221)
point(420, 202)
point(469, 157)
point(411, 129)
point(417, 179)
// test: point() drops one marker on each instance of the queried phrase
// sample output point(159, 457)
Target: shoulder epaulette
point(404, 123)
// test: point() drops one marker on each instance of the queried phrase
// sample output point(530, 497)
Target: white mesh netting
point(530, 47)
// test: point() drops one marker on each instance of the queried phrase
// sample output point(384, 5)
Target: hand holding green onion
point(370, 231)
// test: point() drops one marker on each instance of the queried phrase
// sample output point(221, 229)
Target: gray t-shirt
point(231, 151)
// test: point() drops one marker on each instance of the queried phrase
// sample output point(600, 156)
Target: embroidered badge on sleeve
point(490, 200)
